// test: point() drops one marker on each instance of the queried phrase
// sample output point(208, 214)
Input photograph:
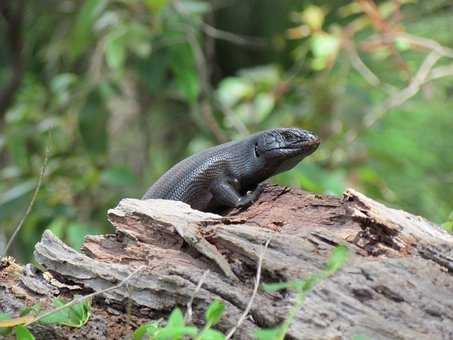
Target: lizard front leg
point(225, 192)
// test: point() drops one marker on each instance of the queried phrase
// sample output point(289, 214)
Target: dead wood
point(397, 284)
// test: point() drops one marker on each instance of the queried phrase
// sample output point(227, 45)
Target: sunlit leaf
point(149, 328)
point(264, 103)
point(313, 16)
point(269, 334)
point(176, 318)
point(155, 5)
point(75, 315)
point(337, 259)
point(185, 71)
point(232, 90)
point(115, 49)
point(324, 44)
point(214, 312)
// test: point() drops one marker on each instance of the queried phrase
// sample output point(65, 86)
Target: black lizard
point(229, 175)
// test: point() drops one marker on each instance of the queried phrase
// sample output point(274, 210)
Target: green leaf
point(214, 312)
point(149, 328)
point(359, 337)
point(448, 226)
point(174, 333)
point(34, 309)
point(155, 5)
point(324, 44)
point(263, 105)
point(313, 16)
point(296, 285)
point(82, 34)
point(309, 283)
point(22, 333)
point(185, 71)
point(232, 90)
point(115, 49)
point(73, 316)
point(211, 334)
point(337, 259)
point(402, 44)
point(274, 287)
point(176, 319)
point(269, 334)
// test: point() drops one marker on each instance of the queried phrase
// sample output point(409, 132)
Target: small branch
point(255, 291)
point(425, 74)
point(189, 312)
point(358, 63)
point(33, 199)
point(426, 43)
point(86, 297)
point(400, 97)
point(232, 37)
point(442, 71)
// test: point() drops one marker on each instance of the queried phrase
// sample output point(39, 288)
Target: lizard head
point(285, 143)
point(281, 149)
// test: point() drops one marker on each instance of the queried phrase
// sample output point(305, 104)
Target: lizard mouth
point(298, 145)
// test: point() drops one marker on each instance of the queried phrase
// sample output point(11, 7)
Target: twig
point(424, 42)
point(255, 291)
point(33, 199)
point(86, 297)
point(232, 37)
point(441, 71)
point(358, 63)
point(423, 76)
point(192, 297)
point(414, 86)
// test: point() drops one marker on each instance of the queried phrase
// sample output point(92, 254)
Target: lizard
point(230, 175)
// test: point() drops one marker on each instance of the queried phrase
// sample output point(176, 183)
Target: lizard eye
point(257, 154)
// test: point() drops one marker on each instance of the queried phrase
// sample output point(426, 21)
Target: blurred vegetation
point(126, 88)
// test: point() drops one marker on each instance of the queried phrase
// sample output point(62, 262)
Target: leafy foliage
point(177, 329)
point(75, 315)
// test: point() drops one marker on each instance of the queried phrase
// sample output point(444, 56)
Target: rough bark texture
point(397, 284)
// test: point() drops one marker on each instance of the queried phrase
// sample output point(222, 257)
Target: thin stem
point(86, 297)
point(33, 199)
point(255, 291)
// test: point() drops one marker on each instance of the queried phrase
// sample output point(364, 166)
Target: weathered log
point(397, 284)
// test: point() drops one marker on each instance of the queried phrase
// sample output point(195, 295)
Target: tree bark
point(397, 283)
